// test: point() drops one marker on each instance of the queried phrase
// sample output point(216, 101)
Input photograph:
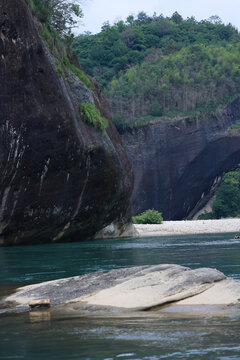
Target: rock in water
point(60, 177)
point(138, 288)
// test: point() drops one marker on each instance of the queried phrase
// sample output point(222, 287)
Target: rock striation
point(136, 288)
point(177, 165)
point(61, 179)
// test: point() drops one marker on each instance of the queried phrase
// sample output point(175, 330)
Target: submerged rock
point(61, 178)
point(138, 288)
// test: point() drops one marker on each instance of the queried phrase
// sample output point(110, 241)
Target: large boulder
point(137, 288)
point(61, 178)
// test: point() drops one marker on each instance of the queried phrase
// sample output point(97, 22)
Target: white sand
point(190, 227)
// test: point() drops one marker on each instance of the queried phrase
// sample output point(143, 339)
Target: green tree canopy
point(62, 15)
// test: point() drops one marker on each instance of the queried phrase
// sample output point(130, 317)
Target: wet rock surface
point(61, 179)
point(138, 288)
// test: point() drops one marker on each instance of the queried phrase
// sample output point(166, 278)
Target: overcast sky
point(96, 12)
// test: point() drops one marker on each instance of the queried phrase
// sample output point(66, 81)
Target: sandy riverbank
point(190, 227)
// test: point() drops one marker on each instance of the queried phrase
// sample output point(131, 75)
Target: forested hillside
point(156, 68)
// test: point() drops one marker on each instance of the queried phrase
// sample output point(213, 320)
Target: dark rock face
point(60, 178)
point(177, 164)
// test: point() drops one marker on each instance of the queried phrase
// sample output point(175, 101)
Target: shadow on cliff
point(191, 190)
point(178, 164)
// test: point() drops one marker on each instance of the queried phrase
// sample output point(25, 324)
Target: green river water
point(170, 333)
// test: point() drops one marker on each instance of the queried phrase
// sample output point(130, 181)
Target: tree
point(227, 201)
point(156, 109)
point(142, 18)
point(215, 19)
point(120, 25)
point(177, 18)
point(128, 37)
point(130, 20)
point(105, 25)
point(228, 195)
point(62, 15)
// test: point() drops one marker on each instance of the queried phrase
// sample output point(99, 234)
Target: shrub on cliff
point(150, 216)
point(91, 115)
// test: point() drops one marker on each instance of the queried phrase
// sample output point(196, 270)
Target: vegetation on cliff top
point(157, 66)
point(227, 203)
point(58, 17)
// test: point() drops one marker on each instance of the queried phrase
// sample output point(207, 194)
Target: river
point(202, 333)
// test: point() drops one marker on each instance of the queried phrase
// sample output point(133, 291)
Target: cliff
point(177, 165)
point(61, 178)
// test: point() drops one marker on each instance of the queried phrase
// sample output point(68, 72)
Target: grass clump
point(60, 70)
point(150, 216)
point(59, 50)
point(91, 115)
point(78, 72)
point(46, 34)
point(235, 129)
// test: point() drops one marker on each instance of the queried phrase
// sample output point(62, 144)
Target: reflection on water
point(131, 336)
point(39, 315)
point(169, 333)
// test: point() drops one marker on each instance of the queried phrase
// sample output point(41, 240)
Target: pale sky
point(96, 12)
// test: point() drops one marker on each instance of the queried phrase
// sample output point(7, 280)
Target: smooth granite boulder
point(136, 288)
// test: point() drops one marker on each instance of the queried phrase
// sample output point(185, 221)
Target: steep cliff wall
point(60, 177)
point(176, 165)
